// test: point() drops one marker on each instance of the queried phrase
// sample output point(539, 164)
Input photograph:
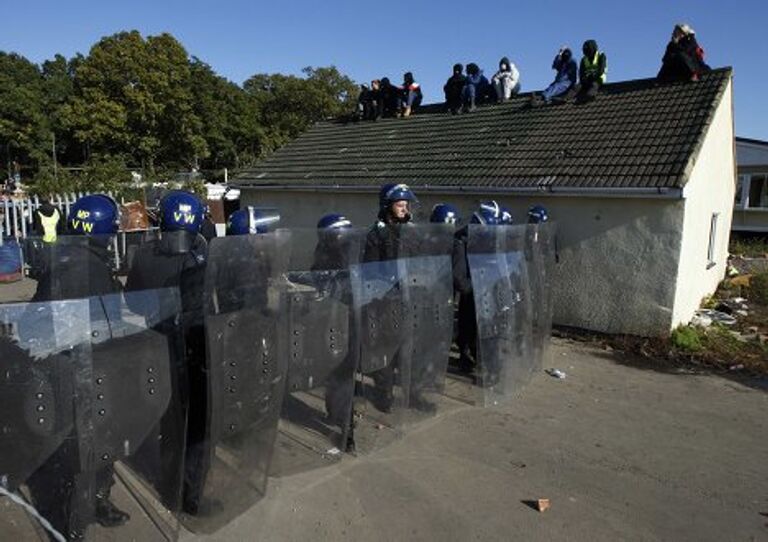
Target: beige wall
point(710, 189)
point(618, 256)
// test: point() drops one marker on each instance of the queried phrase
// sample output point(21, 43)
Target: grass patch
point(749, 246)
point(757, 291)
point(687, 339)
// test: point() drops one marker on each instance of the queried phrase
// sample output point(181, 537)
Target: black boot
point(109, 515)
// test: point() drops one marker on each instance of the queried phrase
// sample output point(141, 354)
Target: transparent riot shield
point(97, 378)
point(429, 300)
point(540, 258)
point(236, 395)
point(315, 425)
point(502, 298)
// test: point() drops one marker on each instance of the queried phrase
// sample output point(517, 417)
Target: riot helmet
point(250, 221)
point(181, 211)
point(445, 213)
point(537, 214)
point(95, 214)
point(489, 214)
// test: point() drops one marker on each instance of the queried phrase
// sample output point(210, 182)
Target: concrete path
point(622, 454)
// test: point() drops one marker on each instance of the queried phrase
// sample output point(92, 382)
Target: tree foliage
point(143, 102)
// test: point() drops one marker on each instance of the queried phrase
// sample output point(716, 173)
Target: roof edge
point(548, 191)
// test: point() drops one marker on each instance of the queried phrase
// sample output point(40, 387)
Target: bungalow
point(641, 182)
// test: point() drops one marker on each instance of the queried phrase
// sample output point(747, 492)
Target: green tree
point(133, 98)
point(24, 127)
point(289, 105)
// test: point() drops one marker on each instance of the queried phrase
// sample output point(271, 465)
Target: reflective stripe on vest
point(49, 224)
point(591, 66)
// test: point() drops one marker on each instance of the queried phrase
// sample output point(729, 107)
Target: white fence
point(17, 221)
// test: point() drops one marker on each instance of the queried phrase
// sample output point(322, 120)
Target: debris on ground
point(542, 504)
point(556, 373)
point(707, 317)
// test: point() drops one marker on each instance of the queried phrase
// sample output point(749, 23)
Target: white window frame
point(712, 240)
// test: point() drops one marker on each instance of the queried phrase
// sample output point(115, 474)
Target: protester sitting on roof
point(565, 78)
point(389, 99)
point(411, 95)
point(592, 71)
point(684, 58)
point(506, 81)
point(367, 101)
point(476, 88)
point(454, 89)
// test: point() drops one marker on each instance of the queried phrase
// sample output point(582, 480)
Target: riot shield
point(237, 394)
point(429, 297)
point(320, 348)
point(502, 298)
point(540, 258)
point(97, 379)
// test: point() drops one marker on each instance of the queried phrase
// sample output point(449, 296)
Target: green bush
point(687, 338)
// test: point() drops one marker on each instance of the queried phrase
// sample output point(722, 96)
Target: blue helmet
point(489, 213)
point(444, 213)
point(537, 214)
point(250, 220)
point(96, 214)
point(181, 210)
point(333, 221)
point(506, 216)
point(392, 192)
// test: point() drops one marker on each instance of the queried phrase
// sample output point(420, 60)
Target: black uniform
point(178, 260)
point(466, 337)
point(384, 243)
point(332, 253)
point(63, 494)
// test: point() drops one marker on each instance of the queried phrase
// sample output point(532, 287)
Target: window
point(742, 181)
point(758, 192)
point(712, 241)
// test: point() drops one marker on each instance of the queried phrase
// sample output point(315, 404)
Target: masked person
point(506, 81)
point(565, 79)
point(177, 259)
point(683, 58)
point(61, 492)
point(454, 89)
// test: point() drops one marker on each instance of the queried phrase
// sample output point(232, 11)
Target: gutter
point(546, 191)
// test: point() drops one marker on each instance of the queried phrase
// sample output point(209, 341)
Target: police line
point(133, 405)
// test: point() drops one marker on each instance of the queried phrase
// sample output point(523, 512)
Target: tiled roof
point(636, 134)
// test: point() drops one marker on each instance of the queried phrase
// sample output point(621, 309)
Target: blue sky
point(375, 39)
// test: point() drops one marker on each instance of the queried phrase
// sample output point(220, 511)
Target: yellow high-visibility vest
point(590, 66)
point(49, 224)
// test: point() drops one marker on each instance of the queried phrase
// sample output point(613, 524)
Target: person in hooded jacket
point(389, 99)
point(565, 79)
point(476, 87)
point(592, 72)
point(454, 89)
point(683, 58)
point(506, 81)
point(411, 95)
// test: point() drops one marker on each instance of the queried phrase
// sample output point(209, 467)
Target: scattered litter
point(706, 317)
point(737, 367)
point(556, 373)
point(379, 426)
point(542, 504)
point(333, 451)
point(732, 271)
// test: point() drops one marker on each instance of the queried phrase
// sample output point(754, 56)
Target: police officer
point(332, 253)
point(489, 213)
point(383, 243)
point(77, 270)
point(177, 259)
